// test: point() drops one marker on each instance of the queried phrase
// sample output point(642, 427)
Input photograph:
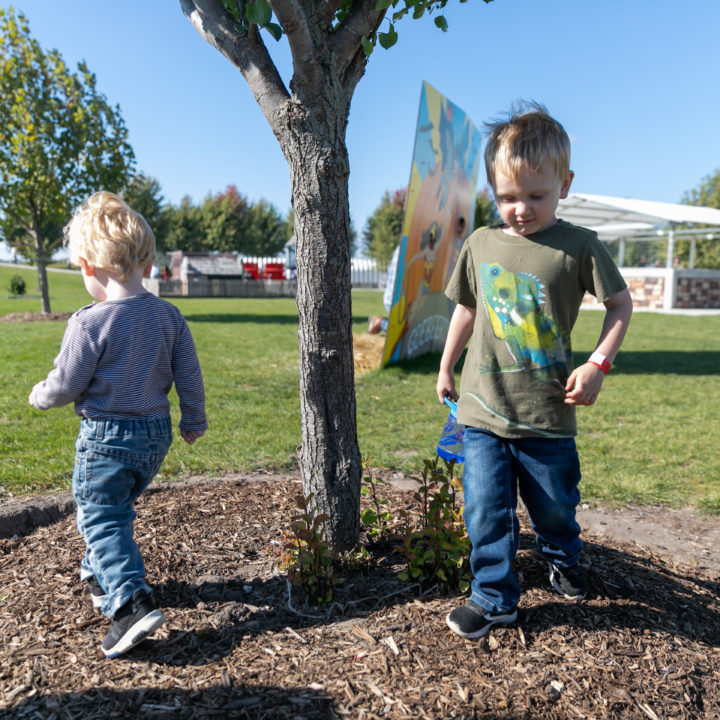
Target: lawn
point(651, 438)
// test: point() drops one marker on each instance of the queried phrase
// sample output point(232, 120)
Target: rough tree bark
point(310, 122)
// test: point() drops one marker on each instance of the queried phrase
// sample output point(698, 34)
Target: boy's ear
point(88, 269)
point(565, 187)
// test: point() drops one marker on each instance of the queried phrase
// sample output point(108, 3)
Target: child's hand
point(190, 436)
point(583, 385)
point(446, 386)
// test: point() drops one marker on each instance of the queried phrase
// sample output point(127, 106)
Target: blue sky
point(634, 83)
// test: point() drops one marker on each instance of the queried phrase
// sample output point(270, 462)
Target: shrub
point(17, 285)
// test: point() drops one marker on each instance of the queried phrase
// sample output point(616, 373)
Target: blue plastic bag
point(451, 445)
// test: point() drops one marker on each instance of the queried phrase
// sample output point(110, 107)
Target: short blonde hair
point(528, 138)
point(110, 235)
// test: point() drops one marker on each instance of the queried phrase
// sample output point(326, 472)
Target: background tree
point(329, 42)
point(707, 251)
point(485, 211)
point(383, 229)
point(184, 227)
point(224, 220)
point(143, 194)
point(60, 141)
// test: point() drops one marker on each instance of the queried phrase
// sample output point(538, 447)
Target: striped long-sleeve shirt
point(120, 358)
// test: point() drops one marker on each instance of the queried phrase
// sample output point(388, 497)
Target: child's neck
point(115, 288)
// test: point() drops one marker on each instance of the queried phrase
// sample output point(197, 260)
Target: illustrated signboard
point(438, 218)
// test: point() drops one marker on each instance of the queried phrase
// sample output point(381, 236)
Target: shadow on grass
point(238, 318)
point(650, 362)
point(270, 319)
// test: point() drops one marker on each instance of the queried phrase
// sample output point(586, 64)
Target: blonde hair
point(528, 138)
point(110, 235)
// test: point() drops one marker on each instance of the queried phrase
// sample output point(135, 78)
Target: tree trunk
point(41, 262)
point(310, 123)
point(319, 170)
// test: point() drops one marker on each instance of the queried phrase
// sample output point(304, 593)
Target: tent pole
point(621, 252)
point(670, 247)
point(691, 262)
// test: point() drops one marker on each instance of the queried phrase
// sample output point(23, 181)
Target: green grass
point(651, 438)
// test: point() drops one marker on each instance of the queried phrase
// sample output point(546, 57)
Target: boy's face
point(527, 203)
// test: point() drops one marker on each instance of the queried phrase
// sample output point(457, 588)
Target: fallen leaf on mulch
point(644, 644)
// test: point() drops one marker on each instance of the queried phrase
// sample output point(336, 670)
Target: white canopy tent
point(621, 218)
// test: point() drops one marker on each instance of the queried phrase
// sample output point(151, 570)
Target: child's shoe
point(472, 622)
point(132, 623)
point(97, 594)
point(570, 582)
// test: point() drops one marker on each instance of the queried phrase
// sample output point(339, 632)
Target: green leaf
point(403, 576)
point(441, 22)
point(274, 29)
point(258, 12)
point(368, 46)
point(383, 4)
point(369, 517)
point(232, 8)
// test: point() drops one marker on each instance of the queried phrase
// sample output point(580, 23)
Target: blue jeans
point(547, 472)
point(115, 460)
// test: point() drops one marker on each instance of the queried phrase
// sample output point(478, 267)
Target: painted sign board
point(438, 218)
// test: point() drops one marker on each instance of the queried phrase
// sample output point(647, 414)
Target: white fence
point(364, 271)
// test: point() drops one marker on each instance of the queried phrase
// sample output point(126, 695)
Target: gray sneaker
point(471, 621)
point(570, 582)
point(132, 623)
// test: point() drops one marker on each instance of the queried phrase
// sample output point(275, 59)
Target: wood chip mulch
point(34, 317)
point(644, 644)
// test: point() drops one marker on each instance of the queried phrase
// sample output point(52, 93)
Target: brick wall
point(698, 291)
point(661, 289)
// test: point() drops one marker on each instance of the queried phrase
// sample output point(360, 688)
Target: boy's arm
point(459, 332)
point(585, 382)
point(74, 369)
point(189, 387)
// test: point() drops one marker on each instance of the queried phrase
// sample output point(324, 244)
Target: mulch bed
point(34, 317)
point(644, 644)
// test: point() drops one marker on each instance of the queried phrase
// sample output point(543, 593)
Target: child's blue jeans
point(547, 472)
point(115, 460)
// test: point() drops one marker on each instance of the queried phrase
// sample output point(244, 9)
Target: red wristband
point(599, 360)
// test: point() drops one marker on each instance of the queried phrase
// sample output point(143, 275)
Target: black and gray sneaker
point(97, 594)
point(570, 582)
point(472, 622)
point(132, 623)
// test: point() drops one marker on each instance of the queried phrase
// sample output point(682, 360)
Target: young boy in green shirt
point(518, 288)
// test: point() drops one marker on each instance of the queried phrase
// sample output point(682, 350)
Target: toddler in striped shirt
point(118, 360)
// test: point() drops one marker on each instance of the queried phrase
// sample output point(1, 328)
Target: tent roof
point(624, 216)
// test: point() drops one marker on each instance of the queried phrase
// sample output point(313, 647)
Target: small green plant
point(308, 559)
point(17, 285)
point(439, 549)
point(376, 519)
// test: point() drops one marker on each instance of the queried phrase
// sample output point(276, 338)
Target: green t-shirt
point(527, 293)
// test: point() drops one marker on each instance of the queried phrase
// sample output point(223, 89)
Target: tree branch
point(362, 20)
point(294, 21)
point(248, 54)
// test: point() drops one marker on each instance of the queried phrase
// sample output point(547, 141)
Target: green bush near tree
point(17, 285)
